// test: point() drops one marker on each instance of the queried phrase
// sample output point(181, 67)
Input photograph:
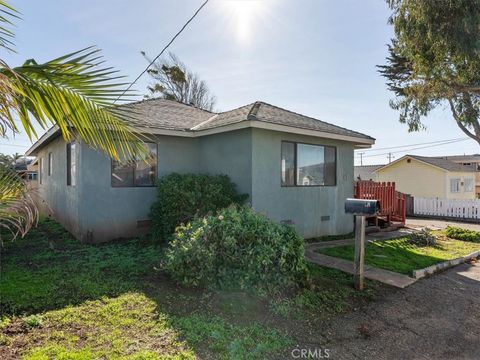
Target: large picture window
point(136, 173)
point(308, 165)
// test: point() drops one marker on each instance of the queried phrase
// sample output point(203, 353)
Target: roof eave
point(45, 138)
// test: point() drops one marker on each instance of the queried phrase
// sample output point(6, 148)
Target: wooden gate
point(393, 203)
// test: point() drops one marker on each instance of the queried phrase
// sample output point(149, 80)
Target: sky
point(314, 57)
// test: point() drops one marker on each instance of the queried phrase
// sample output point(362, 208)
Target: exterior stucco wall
point(54, 197)
point(305, 206)
point(422, 180)
point(94, 211)
point(462, 194)
point(108, 212)
point(415, 178)
point(231, 154)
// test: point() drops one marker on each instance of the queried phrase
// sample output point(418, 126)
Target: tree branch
point(460, 124)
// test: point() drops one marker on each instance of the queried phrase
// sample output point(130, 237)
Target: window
point(42, 170)
point(141, 173)
point(72, 164)
point(32, 176)
point(50, 163)
point(308, 165)
point(455, 185)
point(468, 185)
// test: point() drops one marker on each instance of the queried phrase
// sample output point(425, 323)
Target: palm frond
point(7, 15)
point(74, 92)
point(18, 212)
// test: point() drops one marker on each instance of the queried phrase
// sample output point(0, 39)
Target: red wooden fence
point(393, 204)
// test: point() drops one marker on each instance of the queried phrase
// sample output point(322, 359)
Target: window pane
point(122, 174)
point(42, 173)
point(71, 164)
point(468, 187)
point(310, 165)
point(50, 163)
point(288, 164)
point(454, 185)
point(146, 170)
point(330, 166)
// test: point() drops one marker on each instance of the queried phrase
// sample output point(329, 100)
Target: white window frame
point(471, 185)
point(455, 185)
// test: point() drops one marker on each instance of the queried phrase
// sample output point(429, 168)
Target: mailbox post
point(360, 208)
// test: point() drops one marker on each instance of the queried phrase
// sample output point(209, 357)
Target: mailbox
point(362, 207)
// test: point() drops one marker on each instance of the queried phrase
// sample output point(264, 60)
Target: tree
point(434, 60)
point(173, 81)
point(74, 92)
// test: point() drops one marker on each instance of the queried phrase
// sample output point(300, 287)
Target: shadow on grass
point(93, 301)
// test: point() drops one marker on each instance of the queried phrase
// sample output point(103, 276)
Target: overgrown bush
point(237, 248)
point(462, 234)
point(182, 197)
point(423, 237)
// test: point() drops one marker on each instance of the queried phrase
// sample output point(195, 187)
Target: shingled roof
point(173, 118)
point(444, 164)
point(171, 115)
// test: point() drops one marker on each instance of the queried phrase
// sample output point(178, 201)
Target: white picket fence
point(462, 209)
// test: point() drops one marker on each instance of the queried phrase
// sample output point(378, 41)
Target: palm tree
point(75, 93)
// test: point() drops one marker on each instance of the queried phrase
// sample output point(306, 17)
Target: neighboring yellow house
point(429, 177)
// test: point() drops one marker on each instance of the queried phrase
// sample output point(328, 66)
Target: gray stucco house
point(294, 168)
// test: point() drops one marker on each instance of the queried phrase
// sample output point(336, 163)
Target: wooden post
point(359, 264)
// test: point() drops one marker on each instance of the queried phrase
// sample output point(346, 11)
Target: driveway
point(435, 318)
point(439, 224)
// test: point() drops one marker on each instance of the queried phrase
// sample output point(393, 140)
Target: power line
point(426, 143)
point(417, 148)
point(163, 50)
point(16, 145)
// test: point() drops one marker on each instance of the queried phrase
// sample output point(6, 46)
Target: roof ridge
point(211, 118)
point(312, 118)
point(168, 100)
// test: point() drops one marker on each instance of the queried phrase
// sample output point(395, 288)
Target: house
point(293, 167)
point(469, 160)
point(366, 172)
point(430, 177)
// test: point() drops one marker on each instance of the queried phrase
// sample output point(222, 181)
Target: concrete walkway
point(372, 273)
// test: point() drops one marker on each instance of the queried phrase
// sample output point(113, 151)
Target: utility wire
point(163, 50)
point(417, 148)
point(17, 145)
point(404, 146)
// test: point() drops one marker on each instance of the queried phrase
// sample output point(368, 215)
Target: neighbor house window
point(71, 164)
point(468, 185)
point(141, 173)
point(455, 185)
point(308, 165)
point(42, 170)
point(50, 163)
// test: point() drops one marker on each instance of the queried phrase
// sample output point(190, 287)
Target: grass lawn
point(400, 256)
point(61, 299)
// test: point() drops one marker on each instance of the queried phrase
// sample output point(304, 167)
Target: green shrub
point(423, 237)
point(182, 197)
point(237, 248)
point(33, 321)
point(462, 234)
